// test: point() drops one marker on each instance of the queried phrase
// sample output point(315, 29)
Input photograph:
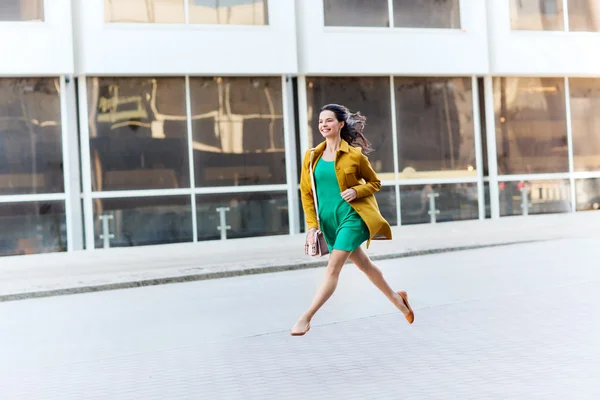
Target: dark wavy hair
point(354, 123)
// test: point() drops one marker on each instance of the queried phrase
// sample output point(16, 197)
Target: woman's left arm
point(372, 183)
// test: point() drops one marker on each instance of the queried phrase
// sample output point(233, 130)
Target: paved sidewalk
point(88, 271)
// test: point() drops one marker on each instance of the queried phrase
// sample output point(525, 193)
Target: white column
point(478, 149)
point(188, 111)
point(490, 128)
point(291, 169)
point(395, 149)
point(570, 144)
point(86, 170)
point(70, 147)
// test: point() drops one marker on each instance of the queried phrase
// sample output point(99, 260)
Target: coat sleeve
point(306, 193)
point(372, 183)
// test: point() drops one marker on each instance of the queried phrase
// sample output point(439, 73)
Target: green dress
point(342, 227)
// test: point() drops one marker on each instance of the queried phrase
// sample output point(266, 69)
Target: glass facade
point(237, 128)
point(452, 202)
point(179, 158)
point(434, 14)
point(22, 10)
point(435, 127)
point(148, 11)
point(32, 227)
point(370, 96)
point(231, 12)
point(587, 193)
point(138, 133)
point(585, 120)
point(536, 15)
point(584, 15)
point(549, 15)
point(142, 221)
point(531, 127)
point(216, 12)
point(245, 215)
point(427, 14)
point(30, 136)
point(371, 13)
point(534, 197)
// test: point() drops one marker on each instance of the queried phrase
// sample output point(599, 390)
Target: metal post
point(524, 201)
point(432, 210)
point(106, 235)
point(223, 220)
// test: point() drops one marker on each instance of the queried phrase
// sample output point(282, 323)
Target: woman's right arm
point(308, 203)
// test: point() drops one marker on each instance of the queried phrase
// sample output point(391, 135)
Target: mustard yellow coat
point(353, 170)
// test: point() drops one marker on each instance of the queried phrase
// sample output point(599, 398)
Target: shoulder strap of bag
point(314, 189)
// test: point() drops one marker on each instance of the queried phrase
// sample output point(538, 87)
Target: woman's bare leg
point(332, 274)
point(360, 258)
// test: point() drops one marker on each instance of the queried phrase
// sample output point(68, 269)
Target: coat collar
point(320, 148)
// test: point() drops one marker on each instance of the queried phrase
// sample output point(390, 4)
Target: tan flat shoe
point(301, 333)
point(411, 315)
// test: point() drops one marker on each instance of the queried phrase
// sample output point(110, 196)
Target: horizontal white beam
point(140, 193)
point(242, 189)
point(532, 177)
point(436, 181)
point(586, 175)
point(32, 197)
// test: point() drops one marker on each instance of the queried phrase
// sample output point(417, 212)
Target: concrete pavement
point(84, 271)
point(514, 322)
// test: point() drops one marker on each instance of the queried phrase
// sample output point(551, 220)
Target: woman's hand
point(310, 235)
point(349, 195)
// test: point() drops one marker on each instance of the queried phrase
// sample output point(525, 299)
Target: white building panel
point(38, 48)
point(538, 52)
point(178, 48)
point(398, 50)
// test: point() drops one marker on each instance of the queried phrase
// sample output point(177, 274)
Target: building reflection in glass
point(537, 15)
point(542, 197)
point(531, 127)
point(436, 136)
point(584, 15)
point(30, 136)
point(237, 131)
point(32, 227)
point(22, 10)
point(148, 11)
point(370, 96)
point(138, 133)
point(229, 12)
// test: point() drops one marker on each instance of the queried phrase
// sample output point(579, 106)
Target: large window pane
point(246, 214)
point(237, 131)
point(160, 11)
point(427, 14)
point(32, 227)
point(543, 197)
point(386, 199)
point(455, 202)
point(536, 15)
point(531, 131)
point(30, 136)
point(588, 194)
point(585, 122)
point(21, 10)
point(356, 13)
point(138, 133)
point(229, 12)
point(435, 127)
point(370, 96)
point(584, 15)
point(143, 220)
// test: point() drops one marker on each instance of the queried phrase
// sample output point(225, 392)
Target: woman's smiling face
point(329, 126)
